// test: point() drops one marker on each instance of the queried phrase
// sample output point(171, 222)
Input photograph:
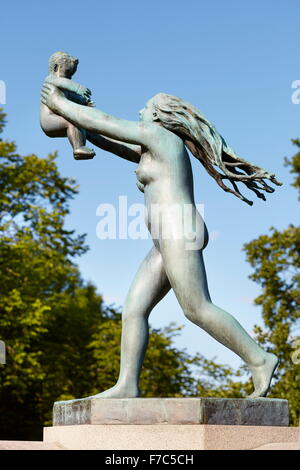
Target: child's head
point(62, 64)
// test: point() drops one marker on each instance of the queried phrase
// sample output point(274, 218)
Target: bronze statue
point(62, 67)
point(158, 144)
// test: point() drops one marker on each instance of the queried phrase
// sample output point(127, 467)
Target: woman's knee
point(134, 312)
point(199, 314)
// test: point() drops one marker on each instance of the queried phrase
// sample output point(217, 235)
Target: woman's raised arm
point(94, 120)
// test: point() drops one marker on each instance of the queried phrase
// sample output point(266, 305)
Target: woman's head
point(148, 114)
point(189, 123)
point(177, 115)
point(160, 107)
point(171, 112)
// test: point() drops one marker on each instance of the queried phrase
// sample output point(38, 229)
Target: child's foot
point(84, 153)
point(262, 376)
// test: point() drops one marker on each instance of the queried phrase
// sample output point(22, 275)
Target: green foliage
point(2, 120)
point(275, 259)
point(218, 380)
point(294, 165)
point(166, 371)
point(276, 262)
point(37, 273)
point(62, 341)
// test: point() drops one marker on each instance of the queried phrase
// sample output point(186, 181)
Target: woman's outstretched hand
point(50, 95)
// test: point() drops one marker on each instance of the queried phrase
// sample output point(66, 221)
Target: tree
point(62, 341)
point(166, 371)
point(37, 273)
point(294, 165)
point(275, 259)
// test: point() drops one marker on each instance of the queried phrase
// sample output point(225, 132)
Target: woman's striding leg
point(149, 286)
point(186, 273)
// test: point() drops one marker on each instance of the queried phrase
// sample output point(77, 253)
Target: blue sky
point(234, 60)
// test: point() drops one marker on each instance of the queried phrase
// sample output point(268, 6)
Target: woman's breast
point(146, 172)
point(170, 173)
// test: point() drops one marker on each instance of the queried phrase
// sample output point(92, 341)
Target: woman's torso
point(165, 176)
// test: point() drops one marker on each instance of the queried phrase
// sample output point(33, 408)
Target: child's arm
point(70, 85)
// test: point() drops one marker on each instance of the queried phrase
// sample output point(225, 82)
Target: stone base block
point(280, 446)
point(184, 411)
point(29, 445)
point(168, 437)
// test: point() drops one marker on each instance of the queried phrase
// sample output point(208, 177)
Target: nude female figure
point(158, 144)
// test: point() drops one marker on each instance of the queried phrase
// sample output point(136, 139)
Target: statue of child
point(62, 67)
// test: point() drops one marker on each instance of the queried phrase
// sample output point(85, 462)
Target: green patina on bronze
point(158, 143)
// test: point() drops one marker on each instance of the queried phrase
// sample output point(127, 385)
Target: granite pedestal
point(170, 423)
point(247, 412)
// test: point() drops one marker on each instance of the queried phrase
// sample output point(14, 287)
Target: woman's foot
point(118, 391)
point(262, 375)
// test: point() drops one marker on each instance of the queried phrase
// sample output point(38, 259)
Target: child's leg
point(57, 126)
point(77, 138)
point(54, 125)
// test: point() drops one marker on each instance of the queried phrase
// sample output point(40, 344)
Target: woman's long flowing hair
point(208, 146)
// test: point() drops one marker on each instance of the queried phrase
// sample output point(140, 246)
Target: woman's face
point(146, 114)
